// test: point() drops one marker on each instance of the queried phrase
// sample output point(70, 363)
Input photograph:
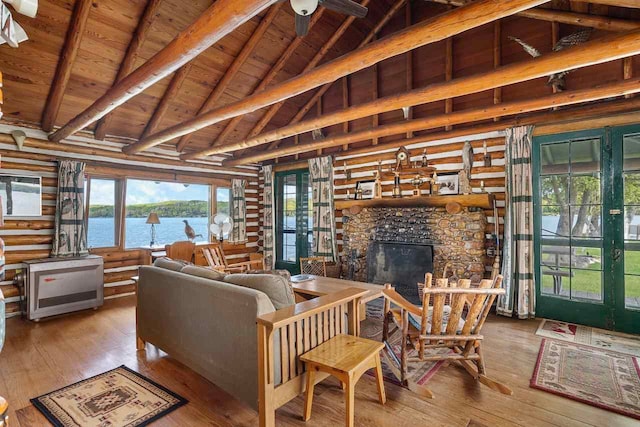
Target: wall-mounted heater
point(62, 285)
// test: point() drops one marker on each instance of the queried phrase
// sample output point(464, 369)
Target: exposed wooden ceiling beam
point(65, 64)
point(273, 72)
point(130, 56)
point(429, 31)
point(455, 118)
point(273, 110)
point(235, 66)
point(564, 17)
point(316, 96)
point(611, 47)
point(220, 19)
point(172, 90)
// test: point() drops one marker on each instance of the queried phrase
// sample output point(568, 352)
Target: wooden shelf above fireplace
point(483, 200)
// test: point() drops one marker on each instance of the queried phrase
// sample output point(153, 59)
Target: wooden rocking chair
point(216, 259)
point(315, 265)
point(453, 320)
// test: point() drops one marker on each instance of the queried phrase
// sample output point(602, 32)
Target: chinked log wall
point(29, 238)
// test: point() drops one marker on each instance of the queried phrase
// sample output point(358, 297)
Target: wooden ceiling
point(111, 24)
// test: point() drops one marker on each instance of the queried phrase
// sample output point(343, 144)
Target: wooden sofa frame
point(301, 327)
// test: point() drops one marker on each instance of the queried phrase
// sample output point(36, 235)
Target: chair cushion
point(415, 320)
point(207, 273)
point(170, 264)
point(277, 288)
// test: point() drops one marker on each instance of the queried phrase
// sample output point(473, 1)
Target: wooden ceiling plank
point(564, 17)
point(605, 49)
point(130, 56)
point(370, 36)
point(220, 19)
point(271, 75)
point(70, 50)
point(460, 117)
point(235, 66)
point(429, 31)
point(273, 110)
point(172, 90)
point(620, 3)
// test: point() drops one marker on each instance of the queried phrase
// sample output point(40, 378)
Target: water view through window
point(173, 202)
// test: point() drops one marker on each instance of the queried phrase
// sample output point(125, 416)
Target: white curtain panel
point(268, 220)
point(324, 218)
point(518, 255)
point(238, 212)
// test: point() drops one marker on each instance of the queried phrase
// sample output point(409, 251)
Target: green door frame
point(598, 314)
point(302, 177)
point(611, 312)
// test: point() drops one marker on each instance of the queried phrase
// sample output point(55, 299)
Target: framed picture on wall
point(448, 183)
point(365, 190)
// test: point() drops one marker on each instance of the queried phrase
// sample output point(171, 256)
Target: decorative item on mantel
point(420, 172)
point(153, 220)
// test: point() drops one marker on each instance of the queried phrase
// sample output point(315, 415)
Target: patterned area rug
point(117, 398)
point(570, 332)
point(597, 377)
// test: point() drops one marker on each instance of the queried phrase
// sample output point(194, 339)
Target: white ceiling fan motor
point(304, 7)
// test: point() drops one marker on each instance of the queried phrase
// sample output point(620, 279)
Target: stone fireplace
point(457, 239)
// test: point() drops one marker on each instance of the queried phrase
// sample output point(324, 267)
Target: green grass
point(589, 279)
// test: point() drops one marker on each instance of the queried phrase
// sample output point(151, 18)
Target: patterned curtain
point(268, 220)
point(70, 235)
point(517, 263)
point(324, 221)
point(238, 212)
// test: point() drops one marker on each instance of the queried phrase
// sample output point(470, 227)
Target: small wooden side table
point(346, 357)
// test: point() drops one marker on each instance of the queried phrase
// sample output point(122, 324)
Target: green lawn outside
point(589, 279)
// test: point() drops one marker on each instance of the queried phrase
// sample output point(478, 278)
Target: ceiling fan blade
point(347, 7)
point(302, 25)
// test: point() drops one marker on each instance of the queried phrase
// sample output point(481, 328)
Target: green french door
point(587, 201)
point(294, 218)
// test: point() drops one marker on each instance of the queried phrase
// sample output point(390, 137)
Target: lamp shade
point(153, 218)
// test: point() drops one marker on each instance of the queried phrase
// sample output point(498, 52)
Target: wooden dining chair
point(184, 251)
point(315, 265)
point(451, 316)
point(216, 259)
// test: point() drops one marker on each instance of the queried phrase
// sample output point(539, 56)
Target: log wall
point(29, 238)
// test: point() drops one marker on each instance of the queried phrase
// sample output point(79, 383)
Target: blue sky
point(138, 192)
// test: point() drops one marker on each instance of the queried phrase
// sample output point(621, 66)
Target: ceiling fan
point(10, 31)
point(305, 8)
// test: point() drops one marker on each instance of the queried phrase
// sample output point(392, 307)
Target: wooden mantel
point(480, 200)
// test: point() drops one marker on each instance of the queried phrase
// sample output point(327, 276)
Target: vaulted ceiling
point(111, 25)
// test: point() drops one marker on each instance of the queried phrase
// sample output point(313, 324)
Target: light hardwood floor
point(38, 358)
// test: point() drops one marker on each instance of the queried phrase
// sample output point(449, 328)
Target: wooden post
point(266, 377)
point(448, 75)
point(409, 62)
point(345, 105)
point(375, 118)
point(497, 61)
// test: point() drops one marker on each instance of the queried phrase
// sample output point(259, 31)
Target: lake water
point(138, 233)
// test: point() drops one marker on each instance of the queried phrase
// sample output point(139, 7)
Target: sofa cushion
point(170, 264)
point(207, 273)
point(277, 288)
point(283, 273)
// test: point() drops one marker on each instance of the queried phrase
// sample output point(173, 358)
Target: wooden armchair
point(216, 259)
point(315, 265)
point(452, 317)
point(184, 251)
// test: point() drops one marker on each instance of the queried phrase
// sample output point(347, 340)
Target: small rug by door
point(597, 377)
point(117, 398)
point(570, 332)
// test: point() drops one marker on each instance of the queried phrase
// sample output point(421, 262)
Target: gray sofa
point(207, 320)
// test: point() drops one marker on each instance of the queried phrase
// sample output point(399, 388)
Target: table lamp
point(153, 220)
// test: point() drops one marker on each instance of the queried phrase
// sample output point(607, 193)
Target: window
point(177, 205)
point(102, 224)
point(223, 197)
